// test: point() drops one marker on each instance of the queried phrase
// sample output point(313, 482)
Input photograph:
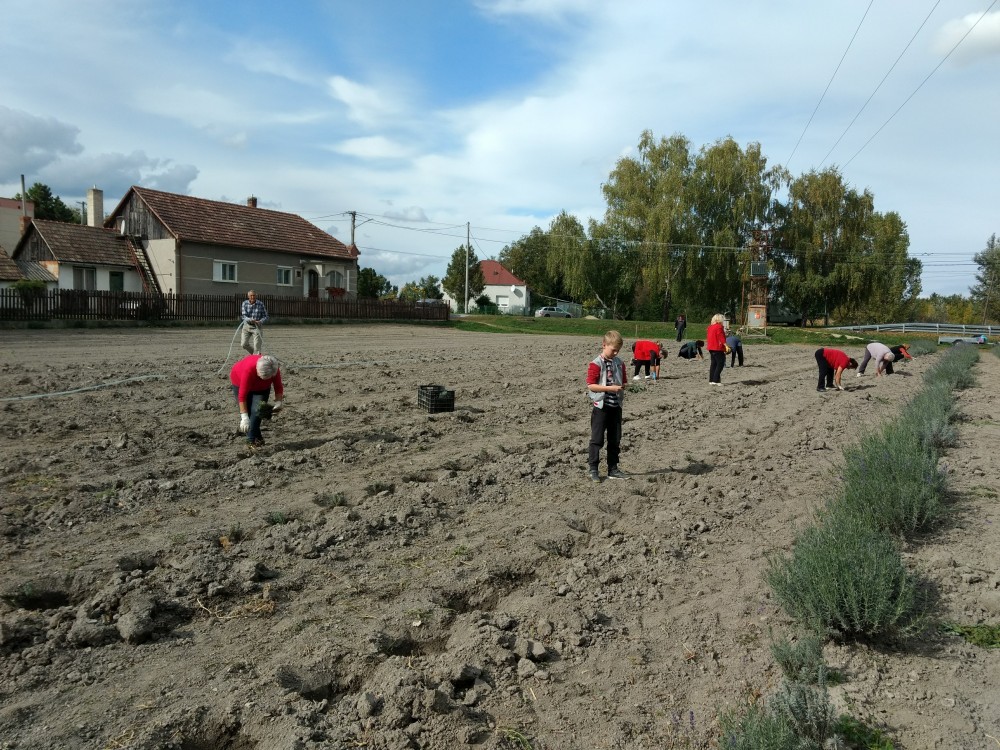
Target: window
point(223, 271)
point(84, 278)
point(335, 278)
point(284, 276)
point(116, 281)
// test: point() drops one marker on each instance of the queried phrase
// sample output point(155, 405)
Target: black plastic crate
point(435, 398)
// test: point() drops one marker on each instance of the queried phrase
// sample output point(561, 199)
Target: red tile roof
point(233, 225)
point(8, 268)
point(79, 243)
point(497, 275)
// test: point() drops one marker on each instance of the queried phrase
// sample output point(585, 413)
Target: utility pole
point(83, 211)
point(354, 218)
point(467, 234)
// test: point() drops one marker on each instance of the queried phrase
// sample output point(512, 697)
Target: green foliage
point(330, 499)
point(277, 518)
point(856, 734)
point(986, 291)
point(984, 636)
point(802, 660)
point(372, 285)
point(922, 346)
point(846, 579)
point(757, 729)
point(425, 288)
point(891, 479)
point(49, 206)
point(455, 276)
point(807, 710)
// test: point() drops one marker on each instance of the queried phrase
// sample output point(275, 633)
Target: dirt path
point(381, 577)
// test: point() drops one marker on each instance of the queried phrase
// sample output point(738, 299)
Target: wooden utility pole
point(467, 235)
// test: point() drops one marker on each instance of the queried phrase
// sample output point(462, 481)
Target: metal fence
point(78, 304)
point(951, 329)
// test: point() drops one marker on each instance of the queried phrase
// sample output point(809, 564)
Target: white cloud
point(982, 42)
point(366, 105)
point(372, 147)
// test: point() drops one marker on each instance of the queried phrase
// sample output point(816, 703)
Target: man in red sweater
point(832, 363)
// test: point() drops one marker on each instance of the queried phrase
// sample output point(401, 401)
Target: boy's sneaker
point(821, 390)
point(594, 476)
point(617, 473)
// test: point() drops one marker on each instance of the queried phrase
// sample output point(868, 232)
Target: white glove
point(244, 423)
point(277, 406)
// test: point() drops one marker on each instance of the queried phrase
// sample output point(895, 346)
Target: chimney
point(95, 207)
point(252, 201)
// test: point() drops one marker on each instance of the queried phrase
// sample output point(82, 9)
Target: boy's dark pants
point(609, 420)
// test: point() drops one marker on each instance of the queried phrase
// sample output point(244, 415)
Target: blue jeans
point(255, 399)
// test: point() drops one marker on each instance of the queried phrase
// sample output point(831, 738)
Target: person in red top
point(832, 363)
point(643, 352)
point(251, 379)
point(715, 342)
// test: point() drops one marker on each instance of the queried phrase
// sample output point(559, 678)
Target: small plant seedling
point(277, 518)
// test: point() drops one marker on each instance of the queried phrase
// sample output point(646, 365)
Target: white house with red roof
point(505, 290)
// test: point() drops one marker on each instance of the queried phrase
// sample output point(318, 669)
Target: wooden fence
point(77, 304)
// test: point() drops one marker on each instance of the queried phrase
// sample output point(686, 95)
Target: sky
point(434, 119)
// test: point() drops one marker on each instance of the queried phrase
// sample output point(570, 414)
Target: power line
point(888, 72)
point(823, 95)
point(920, 85)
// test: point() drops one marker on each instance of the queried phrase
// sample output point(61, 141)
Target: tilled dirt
point(378, 576)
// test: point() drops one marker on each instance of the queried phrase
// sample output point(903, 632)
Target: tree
point(49, 206)
point(987, 288)
point(374, 285)
point(527, 258)
point(454, 277)
point(426, 288)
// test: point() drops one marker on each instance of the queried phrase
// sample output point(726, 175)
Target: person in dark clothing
point(691, 349)
point(680, 324)
point(735, 345)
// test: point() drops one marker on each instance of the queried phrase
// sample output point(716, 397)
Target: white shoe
point(858, 374)
point(646, 376)
point(635, 377)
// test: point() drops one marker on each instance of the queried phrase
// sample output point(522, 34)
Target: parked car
point(552, 312)
point(777, 314)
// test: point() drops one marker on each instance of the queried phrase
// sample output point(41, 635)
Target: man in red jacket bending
point(832, 363)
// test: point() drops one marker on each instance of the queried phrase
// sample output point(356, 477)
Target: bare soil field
point(380, 577)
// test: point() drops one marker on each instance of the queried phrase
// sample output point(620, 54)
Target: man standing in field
point(254, 315)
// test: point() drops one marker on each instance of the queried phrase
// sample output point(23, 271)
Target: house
point(79, 257)
point(14, 214)
point(9, 272)
point(199, 246)
point(503, 288)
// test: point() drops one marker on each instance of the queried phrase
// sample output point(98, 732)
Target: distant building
point(12, 213)
point(504, 289)
point(199, 246)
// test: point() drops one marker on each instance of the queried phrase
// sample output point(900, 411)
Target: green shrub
point(955, 369)
point(758, 729)
point(857, 734)
point(891, 480)
point(807, 711)
point(846, 579)
point(922, 346)
point(801, 661)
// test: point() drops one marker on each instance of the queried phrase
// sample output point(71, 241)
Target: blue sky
point(425, 116)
